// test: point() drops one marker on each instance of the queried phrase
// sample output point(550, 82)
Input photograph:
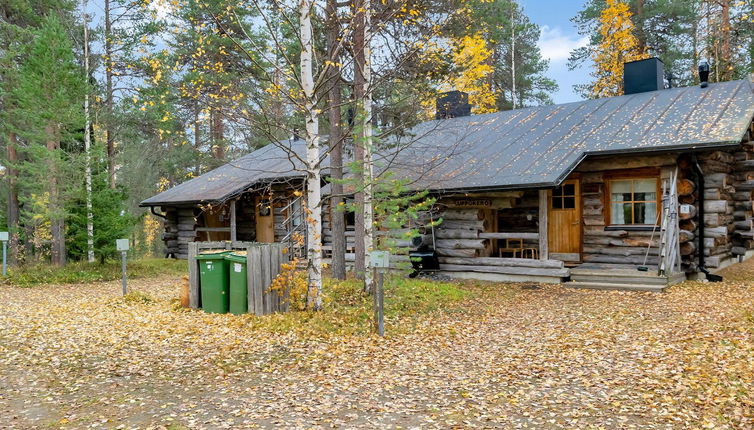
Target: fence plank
point(274, 271)
point(193, 276)
point(256, 265)
point(266, 279)
point(249, 280)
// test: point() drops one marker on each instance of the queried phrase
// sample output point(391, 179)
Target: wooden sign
point(478, 202)
point(473, 203)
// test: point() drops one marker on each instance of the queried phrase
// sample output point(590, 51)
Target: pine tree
point(49, 118)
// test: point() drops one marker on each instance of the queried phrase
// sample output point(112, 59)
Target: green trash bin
point(213, 281)
point(238, 282)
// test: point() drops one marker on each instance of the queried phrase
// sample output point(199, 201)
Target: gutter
point(700, 187)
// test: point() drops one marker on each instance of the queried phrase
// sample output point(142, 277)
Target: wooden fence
point(263, 263)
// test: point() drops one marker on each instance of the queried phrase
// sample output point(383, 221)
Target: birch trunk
point(87, 146)
point(313, 191)
point(109, 64)
point(367, 142)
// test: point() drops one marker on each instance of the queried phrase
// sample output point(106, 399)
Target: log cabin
point(638, 191)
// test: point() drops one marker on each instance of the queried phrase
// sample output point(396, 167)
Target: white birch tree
point(313, 177)
point(87, 145)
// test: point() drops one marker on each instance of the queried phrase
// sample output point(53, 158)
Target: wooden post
point(543, 204)
point(233, 220)
point(193, 249)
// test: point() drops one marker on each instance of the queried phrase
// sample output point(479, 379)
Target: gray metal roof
point(271, 162)
point(532, 147)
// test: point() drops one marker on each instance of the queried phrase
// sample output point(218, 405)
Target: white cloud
point(557, 46)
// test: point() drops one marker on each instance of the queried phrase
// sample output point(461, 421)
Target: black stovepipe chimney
point(700, 187)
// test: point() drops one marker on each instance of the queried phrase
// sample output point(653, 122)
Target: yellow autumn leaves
point(618, 45)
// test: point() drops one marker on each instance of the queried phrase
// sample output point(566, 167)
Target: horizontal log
point(743, 206)
point(716, 180)
point(460, 243)
point(461, 214)
point(711, 194)
point(715, 206)
point(716, 231)
point(510, 235)
point(745, 186)
point(738, 250)
point(531, 271)
point(685, 236)
point(742, 196)
point(691, 199)
point(716, 219)
point(625, 250)
point(742, 215)
point(510, 262)
point(633, 259)
point(744, 165)
point(685, 187)
point(604, 233)
point(713, 167)
point(711, 242)
point(444, 233)
point(687, 224)
point(744, 225)
point(466, 253)
point(723, 156)
point(689, 215)
point(598, 240)
point(688, 248)
point(477, 225)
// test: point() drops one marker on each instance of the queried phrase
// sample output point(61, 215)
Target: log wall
point(600, 243)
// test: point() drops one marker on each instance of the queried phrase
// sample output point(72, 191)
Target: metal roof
point(272, 162)
point(531, 147)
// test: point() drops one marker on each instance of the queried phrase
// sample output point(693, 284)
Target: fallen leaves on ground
point(79, 356)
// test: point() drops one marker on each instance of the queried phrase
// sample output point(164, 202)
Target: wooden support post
point(193, 249)
point(543, 203)
point(233, 220)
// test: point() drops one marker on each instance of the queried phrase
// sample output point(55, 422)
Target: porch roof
point(525, 148)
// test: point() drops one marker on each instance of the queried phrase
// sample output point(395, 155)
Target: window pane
point(569, 190)
point(557, 192)
point(620, 213)
point(569, 202)
point(645, 213)
point(619, 187)
point(645, 197)
point(557, 203)
point(645, 186)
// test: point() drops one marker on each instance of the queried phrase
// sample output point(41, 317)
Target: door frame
point(579, 208)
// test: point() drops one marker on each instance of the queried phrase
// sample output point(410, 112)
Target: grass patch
point(348, 310)
point(83, 272)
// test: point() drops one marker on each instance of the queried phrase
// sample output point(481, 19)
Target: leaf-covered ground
point(77, 356)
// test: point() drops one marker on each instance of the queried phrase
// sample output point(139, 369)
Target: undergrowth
point(348, 310)
point(83, 272)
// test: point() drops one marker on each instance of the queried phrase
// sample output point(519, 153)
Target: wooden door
point(564, 221)
point(265, 220)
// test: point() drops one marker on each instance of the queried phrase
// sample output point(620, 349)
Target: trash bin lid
point(237, 256)
point(212, 254)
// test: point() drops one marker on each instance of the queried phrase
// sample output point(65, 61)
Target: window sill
point(632, 227)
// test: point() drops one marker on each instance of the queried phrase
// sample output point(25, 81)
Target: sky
point(559, 37)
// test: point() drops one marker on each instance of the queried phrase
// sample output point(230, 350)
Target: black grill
point(424, 259)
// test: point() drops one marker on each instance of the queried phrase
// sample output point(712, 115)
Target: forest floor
point(501, 356)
